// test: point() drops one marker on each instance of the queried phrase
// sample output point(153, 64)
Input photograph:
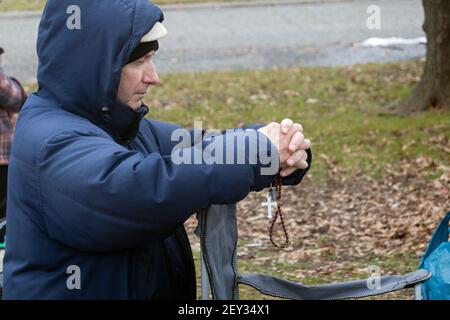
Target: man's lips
point(141, 95)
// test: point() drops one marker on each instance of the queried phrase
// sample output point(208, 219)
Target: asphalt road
point(211, 37)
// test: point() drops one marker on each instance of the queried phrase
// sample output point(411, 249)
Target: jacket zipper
point(235, 272)
point(203, 214)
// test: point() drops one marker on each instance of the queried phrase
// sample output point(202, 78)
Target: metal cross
point(271, 201)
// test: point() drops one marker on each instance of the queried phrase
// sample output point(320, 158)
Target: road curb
point(189, 6)
point(246, 4)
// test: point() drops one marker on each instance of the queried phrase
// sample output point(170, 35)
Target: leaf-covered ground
point(340, 226)
point(379, 183)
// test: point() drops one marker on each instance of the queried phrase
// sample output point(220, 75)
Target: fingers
point(288, 137)
point(296, 128)
point(286, 125)
point(298, 142)
point(288, 171)
point(305, 145)
point(292, 141)
point(298, 159)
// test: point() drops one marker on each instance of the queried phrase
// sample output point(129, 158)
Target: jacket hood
point(82, 49)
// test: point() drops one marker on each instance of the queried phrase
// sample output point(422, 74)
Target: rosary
point(274, 198)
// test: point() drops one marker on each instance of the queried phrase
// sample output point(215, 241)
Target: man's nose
point(151, 76)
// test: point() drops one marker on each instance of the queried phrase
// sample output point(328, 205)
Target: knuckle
point(300, 135)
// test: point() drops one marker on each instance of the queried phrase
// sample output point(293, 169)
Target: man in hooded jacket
point(95, 204)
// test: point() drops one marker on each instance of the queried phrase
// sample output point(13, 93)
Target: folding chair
point(217, 229)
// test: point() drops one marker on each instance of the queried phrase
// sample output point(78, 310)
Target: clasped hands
point(290, 141)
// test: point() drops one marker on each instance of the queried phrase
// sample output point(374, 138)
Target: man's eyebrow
point(150, 54)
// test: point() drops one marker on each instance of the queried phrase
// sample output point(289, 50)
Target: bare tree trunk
point(433, 90)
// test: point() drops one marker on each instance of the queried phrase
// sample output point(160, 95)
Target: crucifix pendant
point(271, 201)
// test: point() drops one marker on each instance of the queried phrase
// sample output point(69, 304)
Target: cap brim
point(1, 50)
point(157, 32)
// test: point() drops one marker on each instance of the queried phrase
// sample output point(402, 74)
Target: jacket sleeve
point(163, 131)
point(99, 196)
point(297, 176)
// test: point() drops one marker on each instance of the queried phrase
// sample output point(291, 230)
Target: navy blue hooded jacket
point(91, 181)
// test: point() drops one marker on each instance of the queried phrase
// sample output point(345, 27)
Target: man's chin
point(135, 105)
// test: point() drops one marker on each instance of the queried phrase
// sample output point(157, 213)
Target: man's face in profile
point(135, 79)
